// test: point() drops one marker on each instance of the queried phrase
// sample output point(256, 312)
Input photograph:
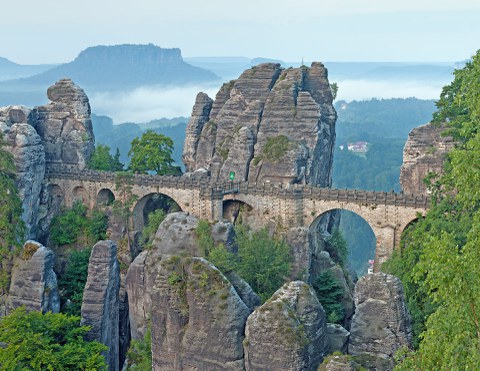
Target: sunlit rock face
point(424, 153)
point(271, 124)
point(65, 125)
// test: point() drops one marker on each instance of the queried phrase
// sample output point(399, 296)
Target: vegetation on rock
point(438, 263)
point(11, 224)
point(72, 282)
point(155, 218)
point(36, 341)
point(75, 223)
point(262, 261)
point(139, 355)
point(329, 294)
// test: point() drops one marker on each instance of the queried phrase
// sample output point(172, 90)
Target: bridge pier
point(385, 245)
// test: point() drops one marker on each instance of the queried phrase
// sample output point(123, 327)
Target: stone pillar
point(385, 244)
point(100, 306)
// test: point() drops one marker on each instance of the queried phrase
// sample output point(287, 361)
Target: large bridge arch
point(359, 252)
point(105, 197)
point(149, 203)
point(387, 221)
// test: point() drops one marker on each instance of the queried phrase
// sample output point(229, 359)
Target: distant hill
point(112, 68)
point(10, 70)
point(126, 66)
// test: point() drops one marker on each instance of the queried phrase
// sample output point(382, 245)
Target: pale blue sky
point(50, 31)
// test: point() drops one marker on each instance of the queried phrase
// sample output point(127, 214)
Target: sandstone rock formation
point(271, 124)
point(338, 363)
point(29, 155)
point(100, 305)
point(175, 236)
point(381, 323)
point(198, 319)
point(337, 338)
point(288, 332)
point(33, 282)
point(424, 152)
point(65, 125)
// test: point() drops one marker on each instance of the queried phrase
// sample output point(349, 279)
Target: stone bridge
point(388, 214)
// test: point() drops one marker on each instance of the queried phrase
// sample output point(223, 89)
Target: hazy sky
point(48, 31)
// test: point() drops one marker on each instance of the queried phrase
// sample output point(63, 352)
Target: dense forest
point(438, 262)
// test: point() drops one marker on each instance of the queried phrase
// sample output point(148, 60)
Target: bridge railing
point(207, 187)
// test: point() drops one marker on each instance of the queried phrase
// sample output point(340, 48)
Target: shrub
point(154, 220)
point(264, 262)
point(33, 341)
point(73, 280)
point(139, 354)
point(66, 226)
point(75, 222)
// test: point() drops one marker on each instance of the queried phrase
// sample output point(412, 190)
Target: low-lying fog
point(149, 103)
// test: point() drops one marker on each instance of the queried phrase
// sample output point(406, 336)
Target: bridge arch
point(105, 197)
point(235, 210)
point(149, 203)
point(56, 196)
point(79, 193)
point(357, 232)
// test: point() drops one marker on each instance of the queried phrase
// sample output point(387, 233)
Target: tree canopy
point(152, 153)
point(439, 262)
point(102, 159)
point(36, 341)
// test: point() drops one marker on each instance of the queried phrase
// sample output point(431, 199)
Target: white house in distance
point(360, 147)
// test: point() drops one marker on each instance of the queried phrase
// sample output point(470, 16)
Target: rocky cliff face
point(381, 323)
point(271, 124)
point(175, 236)
point(198, 319)
point(33, 282)
point(29, 155)
point(100, 305)
point(424, 152)
point(288, 332)
point(65, 125)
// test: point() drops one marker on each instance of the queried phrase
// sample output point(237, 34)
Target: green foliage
point(102, 159)
point(330, 294)
point(139, 354)
point(276, 148)
point(334, 90)
point(441, 253)
point(11, 225)
point(223, 259)
point(75, 222)
point(33, 341)
point(154, 220)
point(263, 261)
point(122, 206)
point(152, 152)
point(72, 282)
point(337, 247)
point(204, 237)
point(66, 226)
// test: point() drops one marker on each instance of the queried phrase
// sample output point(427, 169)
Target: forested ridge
point(439, 259)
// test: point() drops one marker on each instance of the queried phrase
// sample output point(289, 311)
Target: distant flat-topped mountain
point(10, 70)
point(124, 66)
point(109, 68)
